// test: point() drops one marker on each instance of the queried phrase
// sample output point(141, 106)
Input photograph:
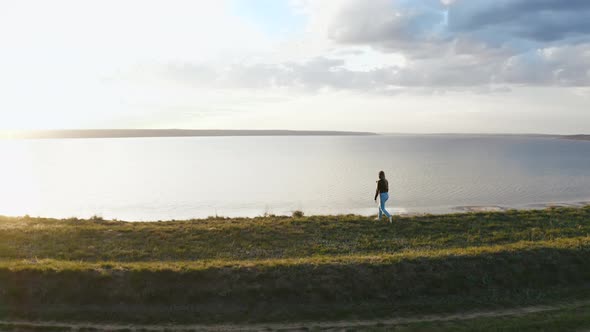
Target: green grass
point(283, 268)
point(278, 237)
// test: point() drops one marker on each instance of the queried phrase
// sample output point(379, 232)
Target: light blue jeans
point(383, 197)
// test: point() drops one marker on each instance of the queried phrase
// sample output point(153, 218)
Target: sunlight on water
point(164, 178)
point(20, 191)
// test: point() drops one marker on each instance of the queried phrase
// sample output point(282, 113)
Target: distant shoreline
point(577, 137)
point(155, 133)
point(135, 133)
point(450, 211)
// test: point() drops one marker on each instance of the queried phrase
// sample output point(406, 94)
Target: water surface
point(192, 177)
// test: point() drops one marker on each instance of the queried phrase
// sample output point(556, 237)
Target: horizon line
point(179, 132)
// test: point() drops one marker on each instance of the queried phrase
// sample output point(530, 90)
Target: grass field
point(272, 269)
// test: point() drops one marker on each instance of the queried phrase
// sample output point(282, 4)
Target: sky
point(405, 66)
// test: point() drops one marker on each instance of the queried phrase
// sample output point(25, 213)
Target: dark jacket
point(382, 187)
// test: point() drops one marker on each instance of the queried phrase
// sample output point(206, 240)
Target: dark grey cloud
point(538, 20)
point(410, 25)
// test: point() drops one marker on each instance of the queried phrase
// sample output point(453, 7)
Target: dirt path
point(302, 326)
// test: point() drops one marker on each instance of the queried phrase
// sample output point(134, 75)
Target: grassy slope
point(280, 237)
point(279, 268)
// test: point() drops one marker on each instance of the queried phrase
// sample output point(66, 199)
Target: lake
point(194, 177)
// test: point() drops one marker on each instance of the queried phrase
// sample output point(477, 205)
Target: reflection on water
point(165, 178)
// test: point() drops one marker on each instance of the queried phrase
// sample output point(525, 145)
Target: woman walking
point(383, 193)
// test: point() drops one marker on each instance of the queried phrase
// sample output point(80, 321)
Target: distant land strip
point(124, 133)
point(577, 137)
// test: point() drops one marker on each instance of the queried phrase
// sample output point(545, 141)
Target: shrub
point(297, 214)
point(96, 218)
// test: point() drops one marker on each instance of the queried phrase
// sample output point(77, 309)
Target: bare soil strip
point(297, 326)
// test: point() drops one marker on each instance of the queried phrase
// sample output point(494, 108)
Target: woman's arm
point(377, 191)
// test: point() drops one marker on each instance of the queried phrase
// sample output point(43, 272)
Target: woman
point(383, 193)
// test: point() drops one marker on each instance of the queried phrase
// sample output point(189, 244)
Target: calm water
point(167, 178)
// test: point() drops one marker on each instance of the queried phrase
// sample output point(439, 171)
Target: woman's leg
point(384, 197)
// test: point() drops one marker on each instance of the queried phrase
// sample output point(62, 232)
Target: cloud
point(564, 65)
point(415, 28)
point(484, 70)
point(385, 46)
point(309, 76)
point(536, 20)
point(379, 21)
point(467, 43)
point(404, 25)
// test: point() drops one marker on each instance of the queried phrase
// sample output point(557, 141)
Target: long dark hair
point(381, 175)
